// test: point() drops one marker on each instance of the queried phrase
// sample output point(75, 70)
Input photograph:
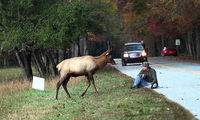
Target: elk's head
point(109, 57)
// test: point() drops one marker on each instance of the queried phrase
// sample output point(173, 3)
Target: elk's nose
point(113, 62)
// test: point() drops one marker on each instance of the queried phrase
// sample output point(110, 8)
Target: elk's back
point(77, 65)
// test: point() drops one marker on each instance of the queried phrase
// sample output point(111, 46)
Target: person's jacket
point(149, 76)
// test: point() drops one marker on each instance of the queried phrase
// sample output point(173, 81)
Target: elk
point(81, 66)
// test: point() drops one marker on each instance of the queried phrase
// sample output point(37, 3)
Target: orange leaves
point(113, 8)
point(121, 4)
point(96, 37)
point(128, 6)
point(129, 18)
point(156, 25)
point(162, 17)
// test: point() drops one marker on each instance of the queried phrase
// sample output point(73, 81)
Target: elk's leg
point(88, 80)
point(95, 89)
point(58, 86)
point(57, 89)
point(64, 84)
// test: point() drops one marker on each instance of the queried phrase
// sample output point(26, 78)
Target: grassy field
point(8, 74)
point(116, 101)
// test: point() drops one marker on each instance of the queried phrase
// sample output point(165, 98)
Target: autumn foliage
point(161, 17)
point(169, 19)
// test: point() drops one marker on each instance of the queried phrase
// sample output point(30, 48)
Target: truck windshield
point(133, 47)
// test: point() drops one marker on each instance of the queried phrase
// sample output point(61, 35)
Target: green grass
point(10, 74)
point(116, 101)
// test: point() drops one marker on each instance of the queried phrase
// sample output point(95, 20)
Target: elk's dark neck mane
point(100, 61)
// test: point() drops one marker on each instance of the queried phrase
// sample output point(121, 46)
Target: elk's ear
point(108, 52)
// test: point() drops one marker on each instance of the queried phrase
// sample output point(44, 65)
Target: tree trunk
point(53, 65)
point(188, 42)
point(5, 63)
point(83, 46)
point(24, 60)
point(74, 50)
point(163, 41)
point(158, 47)
point(108, 45)
point(61, 55)
point(191, 44)
point(37, 65)
point(197, 43)
point(152, 49)
point(44, 63)
point(39, 62)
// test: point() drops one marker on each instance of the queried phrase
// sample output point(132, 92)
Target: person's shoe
point(133, 87)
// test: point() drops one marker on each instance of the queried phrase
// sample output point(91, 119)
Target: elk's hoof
point(97, 93)
point(56, 98)
point(69, 96)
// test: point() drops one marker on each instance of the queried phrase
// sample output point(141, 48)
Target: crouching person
point(146, 78)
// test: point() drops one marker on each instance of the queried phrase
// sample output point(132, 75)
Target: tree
point(83, 17)
point(164, 20)
point(36, 29)
point(19, 20)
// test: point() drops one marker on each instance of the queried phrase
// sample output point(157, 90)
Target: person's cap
point(145, 64)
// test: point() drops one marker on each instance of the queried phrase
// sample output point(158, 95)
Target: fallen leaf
point(141, 102)
point(118, 106)
point(58, 115)
point(74, 118)
point(54, 107)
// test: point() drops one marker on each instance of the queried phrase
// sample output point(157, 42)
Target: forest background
point(38, 34)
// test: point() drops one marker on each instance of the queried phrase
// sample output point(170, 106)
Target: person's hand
point(142, 75)
point(149, 86)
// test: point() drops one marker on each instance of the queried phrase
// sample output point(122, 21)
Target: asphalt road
point(178, 81)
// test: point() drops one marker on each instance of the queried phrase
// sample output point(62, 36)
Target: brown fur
point(78, 66)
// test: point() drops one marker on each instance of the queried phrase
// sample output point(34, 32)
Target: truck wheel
point(123, 63)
